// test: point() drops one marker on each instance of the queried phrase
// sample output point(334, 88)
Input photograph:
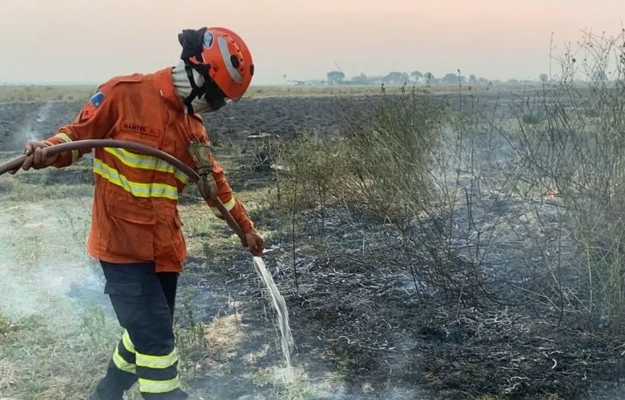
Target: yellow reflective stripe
point(146, 162)
point(157, 362)
point(229, 206)
point(65, 137)
point(127, 342)
point(135, 188)
point(122, 364)
point(150, 386)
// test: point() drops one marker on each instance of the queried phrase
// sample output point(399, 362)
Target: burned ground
point(282, 116)
point(360, 316)
point(277, 116)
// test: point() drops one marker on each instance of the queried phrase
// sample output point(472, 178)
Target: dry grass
point(223, 336)
point(7, 375)
point(44, 93)
point(82, 92)
point(359, 90)
point(291, 385)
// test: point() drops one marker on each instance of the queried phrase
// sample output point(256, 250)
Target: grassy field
point(75, 93)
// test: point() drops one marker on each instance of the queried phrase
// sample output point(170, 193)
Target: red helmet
point(221, 55)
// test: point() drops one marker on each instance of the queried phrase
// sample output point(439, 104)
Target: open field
point(82, 92)
point(429, 246)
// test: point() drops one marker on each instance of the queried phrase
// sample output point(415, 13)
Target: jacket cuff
point(240, 216)
point(246, 225)
point(238, 212)
point(67, 158)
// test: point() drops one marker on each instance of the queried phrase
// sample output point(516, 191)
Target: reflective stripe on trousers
point(124, 356)
point(157, 374)
point(143, 302)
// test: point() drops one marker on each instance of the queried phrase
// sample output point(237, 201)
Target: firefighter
point(136, 229)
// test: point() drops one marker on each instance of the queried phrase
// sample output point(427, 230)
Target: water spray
point(207, 189)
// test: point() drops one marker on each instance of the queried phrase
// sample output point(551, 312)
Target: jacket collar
point(165, 84)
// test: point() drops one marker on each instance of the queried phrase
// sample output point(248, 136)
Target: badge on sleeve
point(90, 108)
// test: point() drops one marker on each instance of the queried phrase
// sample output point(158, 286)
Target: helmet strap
point(196, 90)
point(192, 44)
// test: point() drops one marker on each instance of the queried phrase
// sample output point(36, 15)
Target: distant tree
point(450, 78)
point(396, 78)
point(416, 75)
point(335, 77)
point(472, 78)
point(361, 79)
point(429, 77)
point(544, 78)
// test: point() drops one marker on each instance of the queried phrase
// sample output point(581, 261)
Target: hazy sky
point(90, 41)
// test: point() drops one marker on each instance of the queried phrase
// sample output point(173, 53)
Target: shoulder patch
point(97, 99)
point(90, 108)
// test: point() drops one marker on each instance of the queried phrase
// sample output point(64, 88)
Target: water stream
point(286, 339)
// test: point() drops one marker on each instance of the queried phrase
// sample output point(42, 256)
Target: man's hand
point(255, 243)
point(36, 156)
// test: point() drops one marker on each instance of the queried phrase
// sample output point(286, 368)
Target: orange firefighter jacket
point(134, 214)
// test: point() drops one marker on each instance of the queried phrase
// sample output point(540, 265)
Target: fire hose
point(140, 148)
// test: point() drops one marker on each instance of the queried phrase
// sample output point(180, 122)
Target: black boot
point(114, 384)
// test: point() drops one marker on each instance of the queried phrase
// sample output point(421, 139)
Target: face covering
point(183, 87)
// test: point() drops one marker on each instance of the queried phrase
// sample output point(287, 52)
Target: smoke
point(43, 271)
point(29, 130)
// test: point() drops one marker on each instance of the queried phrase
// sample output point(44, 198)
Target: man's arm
point(226, 195)
point(95, 120)
point(222, 187)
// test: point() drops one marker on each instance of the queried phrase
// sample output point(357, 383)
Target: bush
point(389, 159)
point(398, 165)
point(382, 165)
point(577, 151)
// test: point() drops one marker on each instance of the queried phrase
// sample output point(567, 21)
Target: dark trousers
point(144, 302)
